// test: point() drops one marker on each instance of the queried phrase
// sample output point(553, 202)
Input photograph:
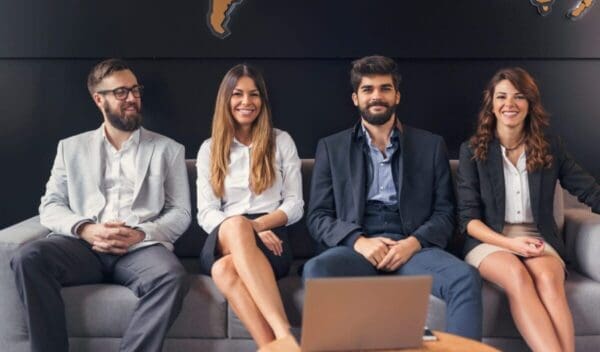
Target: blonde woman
point(249, 189)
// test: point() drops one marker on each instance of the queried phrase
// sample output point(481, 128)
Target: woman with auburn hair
point(249, 189)
point(507, 175)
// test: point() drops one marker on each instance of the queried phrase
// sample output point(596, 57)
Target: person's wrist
point(358, 242)
point(507, 242)
point(414, 243)
point(81, 230)
point(257, 225)
point(141, 235)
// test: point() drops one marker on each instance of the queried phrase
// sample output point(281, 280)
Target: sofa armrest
point(582, 239)
point(23, 232)
point(13, 329)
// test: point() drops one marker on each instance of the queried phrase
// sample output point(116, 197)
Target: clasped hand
point(386, 254)
point(110, 237)
point(527, 246)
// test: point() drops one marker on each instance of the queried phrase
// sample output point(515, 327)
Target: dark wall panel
point(446, 51)
point(291, 29)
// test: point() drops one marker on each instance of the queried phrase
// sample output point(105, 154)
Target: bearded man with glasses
point(116, 201)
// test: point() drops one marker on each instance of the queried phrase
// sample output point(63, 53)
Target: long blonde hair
point(262, 158)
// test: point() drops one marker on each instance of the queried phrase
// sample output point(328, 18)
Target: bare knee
point(512, 276)
point(550, 283)
point(236, 232)
point(224, 274)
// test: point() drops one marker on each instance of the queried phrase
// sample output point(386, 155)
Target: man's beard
point(379, 118)
point(120, 121)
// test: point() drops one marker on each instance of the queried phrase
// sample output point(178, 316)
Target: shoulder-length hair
point(262, 159)
point(536, 146)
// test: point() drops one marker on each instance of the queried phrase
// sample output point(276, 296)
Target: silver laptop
point(364, 313)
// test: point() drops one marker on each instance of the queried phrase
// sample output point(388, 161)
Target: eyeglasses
point(121, 93)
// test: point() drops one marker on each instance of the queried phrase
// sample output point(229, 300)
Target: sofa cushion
point(104, 310)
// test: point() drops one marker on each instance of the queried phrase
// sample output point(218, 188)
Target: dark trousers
point(454, 281)
point(153, 273)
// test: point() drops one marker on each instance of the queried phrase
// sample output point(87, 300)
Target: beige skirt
point(477, 254)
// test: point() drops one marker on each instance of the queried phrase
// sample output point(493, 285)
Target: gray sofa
point(98, 314)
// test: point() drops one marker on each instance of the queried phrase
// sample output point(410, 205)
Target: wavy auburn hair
point(536, 146)
point(262, 158)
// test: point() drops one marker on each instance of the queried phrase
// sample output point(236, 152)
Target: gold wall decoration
point(220, 12)
point(219, 15)
point(582, 7)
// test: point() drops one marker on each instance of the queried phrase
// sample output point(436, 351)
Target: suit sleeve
point(322, 221)
point(576, 180)
point(55, 212)
point(438, 229)
point(468, 194)
point(175, 216)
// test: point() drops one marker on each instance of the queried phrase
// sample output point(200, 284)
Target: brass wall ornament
point(220, 12)
point(544, 8)
point(219, 15)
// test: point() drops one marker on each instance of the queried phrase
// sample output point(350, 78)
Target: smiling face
point(376, 98)
point(509, 106)
point(124, 115)
point(245, 102)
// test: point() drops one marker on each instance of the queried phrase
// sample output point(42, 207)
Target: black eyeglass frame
point(121, 93)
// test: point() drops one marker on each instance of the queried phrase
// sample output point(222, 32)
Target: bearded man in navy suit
point(382, 200)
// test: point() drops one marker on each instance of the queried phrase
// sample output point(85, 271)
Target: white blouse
point(516, 185)
point(285, 194)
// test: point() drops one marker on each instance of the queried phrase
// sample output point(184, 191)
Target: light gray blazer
point(161, 199)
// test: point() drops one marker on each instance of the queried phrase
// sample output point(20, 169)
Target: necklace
point(507, 150)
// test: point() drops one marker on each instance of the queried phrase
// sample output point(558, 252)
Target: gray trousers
point(153, 273)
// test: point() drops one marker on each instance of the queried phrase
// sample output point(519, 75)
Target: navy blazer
point(481, 191)
point(338, 188)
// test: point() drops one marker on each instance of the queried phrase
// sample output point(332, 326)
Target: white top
point(120, 172)
point(516, 185)
point(285, 194)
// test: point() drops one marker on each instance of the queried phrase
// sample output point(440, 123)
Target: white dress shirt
point(285, 194)
point(118, 184)
point(516, 185)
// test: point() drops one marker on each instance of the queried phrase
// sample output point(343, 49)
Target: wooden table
point(445, 343)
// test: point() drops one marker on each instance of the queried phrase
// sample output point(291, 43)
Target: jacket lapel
point(96, 162)
point(357, 175)
point(496, 174)
point(144, 154)
point(535, 185)
point(403, 165)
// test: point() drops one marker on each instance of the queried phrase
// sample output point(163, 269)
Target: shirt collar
point(239, 144)
point(362, 132)
point(132, 141)
point(521, 162)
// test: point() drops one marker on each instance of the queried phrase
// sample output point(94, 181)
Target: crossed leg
point(549, 279)
point(529, 313)
point(246, 278)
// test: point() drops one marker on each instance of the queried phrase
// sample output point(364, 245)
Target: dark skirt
point(280, 264)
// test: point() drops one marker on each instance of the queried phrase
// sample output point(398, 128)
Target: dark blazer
point(481, 192)
point(338, 188)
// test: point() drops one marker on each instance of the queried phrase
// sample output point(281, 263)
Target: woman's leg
point(236, 237)
point(531, 318)
point(228, 281)
point(549, 278)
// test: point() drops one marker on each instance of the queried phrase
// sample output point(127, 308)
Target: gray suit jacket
point(161, 200)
